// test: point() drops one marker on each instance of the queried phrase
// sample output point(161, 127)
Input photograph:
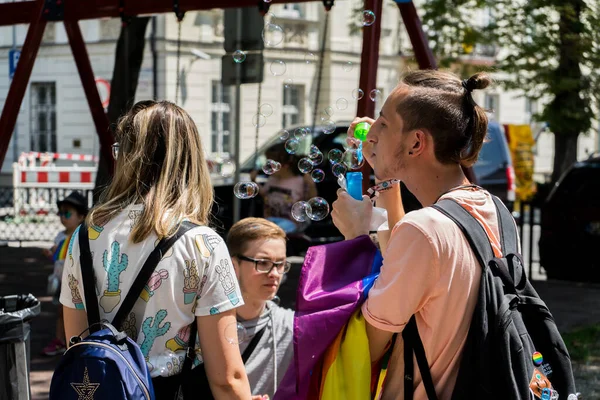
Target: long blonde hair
point(161, 165)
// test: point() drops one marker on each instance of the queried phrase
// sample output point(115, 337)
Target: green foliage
point(548, 49)
point(584, 344)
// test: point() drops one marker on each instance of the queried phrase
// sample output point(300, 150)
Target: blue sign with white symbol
point(13, 59)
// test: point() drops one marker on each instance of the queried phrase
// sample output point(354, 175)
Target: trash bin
point(15, 335)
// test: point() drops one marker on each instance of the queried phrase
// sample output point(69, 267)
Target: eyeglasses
point(115, 150)
point(266, 266)
point(66, 214)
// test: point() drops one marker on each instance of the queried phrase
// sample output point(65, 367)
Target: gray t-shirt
point(266, 366)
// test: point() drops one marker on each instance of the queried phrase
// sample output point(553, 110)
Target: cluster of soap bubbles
point(245, 190)
point(315, 209)
point(260, 119)
point(271, 166)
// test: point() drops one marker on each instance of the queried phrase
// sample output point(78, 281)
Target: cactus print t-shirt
point(194, 278)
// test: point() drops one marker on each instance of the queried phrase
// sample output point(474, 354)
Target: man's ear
point(419, 142)
point(236, 267)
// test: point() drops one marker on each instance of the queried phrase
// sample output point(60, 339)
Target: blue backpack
point(108, 364)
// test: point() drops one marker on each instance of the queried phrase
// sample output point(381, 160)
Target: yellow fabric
point(349, 375)
point(521, 147)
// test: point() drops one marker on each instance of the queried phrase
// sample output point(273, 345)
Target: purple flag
point(334, 282)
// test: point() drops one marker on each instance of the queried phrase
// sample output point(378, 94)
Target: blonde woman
point(161, 179)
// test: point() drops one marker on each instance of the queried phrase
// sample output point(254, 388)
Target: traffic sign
point(13, 59)
point(249, 30)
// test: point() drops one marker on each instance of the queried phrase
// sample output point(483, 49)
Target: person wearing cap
point(72, 210)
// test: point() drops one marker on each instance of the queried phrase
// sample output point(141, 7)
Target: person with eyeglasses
point(72, 210)
point(258, 250)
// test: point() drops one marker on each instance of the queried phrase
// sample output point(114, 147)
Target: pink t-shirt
point(430, 270)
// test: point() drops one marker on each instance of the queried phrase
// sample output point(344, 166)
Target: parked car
point(570, 225)
point(493, 171)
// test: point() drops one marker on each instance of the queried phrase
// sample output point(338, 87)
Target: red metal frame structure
point(36, 14)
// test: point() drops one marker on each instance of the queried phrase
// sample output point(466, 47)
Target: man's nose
point(373, 132)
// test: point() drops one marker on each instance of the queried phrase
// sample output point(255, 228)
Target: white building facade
point(55, 117)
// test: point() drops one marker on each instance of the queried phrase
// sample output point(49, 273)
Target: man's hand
point(352, 217)
point(353, 142)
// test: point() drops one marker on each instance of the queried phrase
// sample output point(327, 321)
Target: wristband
point(382, 186)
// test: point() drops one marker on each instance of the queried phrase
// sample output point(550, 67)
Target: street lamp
point(201, 54)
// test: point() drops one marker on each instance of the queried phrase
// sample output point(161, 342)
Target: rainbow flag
point(61, 250)
point(331, 350)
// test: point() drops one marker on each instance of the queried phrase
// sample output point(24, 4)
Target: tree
point(128, 61)
point(548, 50)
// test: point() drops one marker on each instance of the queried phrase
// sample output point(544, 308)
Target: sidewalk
point(24, 270)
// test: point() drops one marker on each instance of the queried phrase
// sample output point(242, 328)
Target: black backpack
point(513, 348)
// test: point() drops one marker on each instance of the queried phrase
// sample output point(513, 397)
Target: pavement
point(24, 270)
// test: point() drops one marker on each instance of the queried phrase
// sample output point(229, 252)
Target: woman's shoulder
point(203, 238)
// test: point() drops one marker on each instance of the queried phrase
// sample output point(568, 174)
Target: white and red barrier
point(38, 183)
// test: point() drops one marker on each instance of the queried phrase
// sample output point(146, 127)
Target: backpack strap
point(146, 272)
point(470, 227)
point(509, 239)
point(412, 342)
point(87, 274)
point(480, 243)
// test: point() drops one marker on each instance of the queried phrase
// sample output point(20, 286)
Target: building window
point(531, 108)
point(492, 106)
point(291, 10)
point(43, 117)
point(293, 99)
point(220, 118)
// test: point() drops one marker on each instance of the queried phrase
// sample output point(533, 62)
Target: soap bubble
point(317, 175)
point(235, 333)
point(270, 167)
point(266, 110)
point(353, 158)
point(259, 120)
point(329, 111)
point(227, 168)
point(328, 127)
point(245, 190)
point(375, 95)
point(291, 145)
point(341, 103)
point(368, 18)
point(335, 156)
point(299, 133)
point(338, 169)
point(317, 159)
point(309, 58)
point(358, 94)
point(317, 208)
point(239, 56)
point(314, 151)
point(352, 143)
point(278, 67)
point(299, 211)
point(305, 165)
point(272, 34)
point(288, 83)
point(284, 135)
point(348, 66)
